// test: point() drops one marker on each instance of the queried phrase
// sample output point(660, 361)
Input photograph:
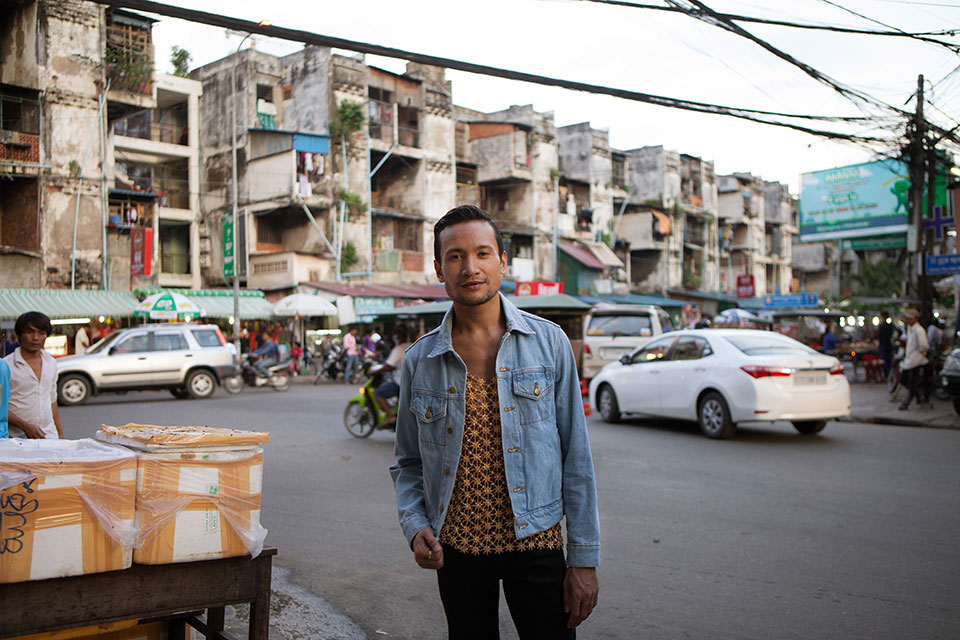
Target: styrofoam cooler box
point(66, 508)
point(198, 491)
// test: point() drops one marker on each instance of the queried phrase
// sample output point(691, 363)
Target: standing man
point(391, 387)
point(885, 342)
point(33, 381)
point(492, 452)
point(80, 342)
point(353, 355)
point(914, 362)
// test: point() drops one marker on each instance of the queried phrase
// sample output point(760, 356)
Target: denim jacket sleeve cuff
point(583, 555)
point(413, 525)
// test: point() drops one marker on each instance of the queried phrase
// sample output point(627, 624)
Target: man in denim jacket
point(492, 450)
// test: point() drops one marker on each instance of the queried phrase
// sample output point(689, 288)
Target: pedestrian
point(4, 398)
point(369, 346)
point(831, 342)
point(32, 407)
point(390, 387)
point(9, 343)
point(885, 342)
point(934, 339)
point(80, 341)
point(482, 484)
point(353, 354)
point(913, 367)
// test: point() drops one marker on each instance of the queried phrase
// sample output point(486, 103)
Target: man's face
point(471, 269)
point(32, 339)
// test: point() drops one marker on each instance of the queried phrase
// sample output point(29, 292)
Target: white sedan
point(720, 377)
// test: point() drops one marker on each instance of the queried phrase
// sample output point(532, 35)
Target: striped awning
point(67, 303)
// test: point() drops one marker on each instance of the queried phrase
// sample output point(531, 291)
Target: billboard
point(854, 201)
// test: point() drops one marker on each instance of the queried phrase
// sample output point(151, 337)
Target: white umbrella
point(304, 305)
point(167, 305)
point(739, 316)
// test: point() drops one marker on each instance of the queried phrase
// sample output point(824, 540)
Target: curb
point(897, 422)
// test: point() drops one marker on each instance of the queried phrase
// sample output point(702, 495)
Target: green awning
point(67, 303)
point(556, 302)
point(218, 303)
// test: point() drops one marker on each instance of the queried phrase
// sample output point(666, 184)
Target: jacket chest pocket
point(533, 390)
point(430, 411)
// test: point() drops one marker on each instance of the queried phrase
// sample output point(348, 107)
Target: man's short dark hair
point(464, 213)
point(35, 319)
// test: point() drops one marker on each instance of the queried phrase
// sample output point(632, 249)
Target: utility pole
point(916, 247)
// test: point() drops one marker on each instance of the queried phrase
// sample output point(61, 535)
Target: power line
point(306, 37)
point(708, 15)
point(919, 35)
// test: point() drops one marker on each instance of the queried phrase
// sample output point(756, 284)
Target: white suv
point(188, 359)
point(614, 330)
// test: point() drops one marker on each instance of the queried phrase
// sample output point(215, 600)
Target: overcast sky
point(639, 50)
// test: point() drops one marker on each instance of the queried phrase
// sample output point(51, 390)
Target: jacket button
point(518, 489)
point(512, 450)
point(508, 409)
point(453, 389)
point(446, 471)
point(441, 508)
point(449, 429)
point(504, 368)
point(523, 526)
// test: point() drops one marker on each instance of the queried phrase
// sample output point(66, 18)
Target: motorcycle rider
point(268, 355)
point(391, 388)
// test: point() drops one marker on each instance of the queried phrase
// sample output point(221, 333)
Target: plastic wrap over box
point(66, 508)
point(198, 491)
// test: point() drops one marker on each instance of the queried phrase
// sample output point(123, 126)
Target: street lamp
point(236, 228)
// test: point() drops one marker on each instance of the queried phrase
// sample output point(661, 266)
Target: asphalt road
point(854, 533)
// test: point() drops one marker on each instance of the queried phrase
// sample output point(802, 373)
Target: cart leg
point(177, 629)
point(260, 608)
point(215, 616)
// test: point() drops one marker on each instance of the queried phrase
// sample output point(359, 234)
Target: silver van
point(614, 330)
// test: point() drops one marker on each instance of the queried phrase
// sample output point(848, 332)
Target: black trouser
point(532, 586)
point(915, 380)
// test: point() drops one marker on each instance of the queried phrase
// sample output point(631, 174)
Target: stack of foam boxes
point(146, 494)
point(198, 491)
point(66, 508)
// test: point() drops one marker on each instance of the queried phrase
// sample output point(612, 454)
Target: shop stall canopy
point(67, 303)
point(218, 303)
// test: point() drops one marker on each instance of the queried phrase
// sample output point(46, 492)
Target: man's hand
point(580, 590)
point(29, 429)
point(427, 550)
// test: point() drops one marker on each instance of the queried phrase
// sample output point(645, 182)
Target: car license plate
point(809, 379)
point(613, 353)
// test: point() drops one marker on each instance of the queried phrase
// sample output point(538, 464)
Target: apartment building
point(780, 227)
point(671, 221)
point(99, 155)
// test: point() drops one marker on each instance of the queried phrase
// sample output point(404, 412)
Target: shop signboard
point(141, 251)
point(896, 241)
point(539, 288)
point(860, 200)
point(943, 265)
point(228, 238)
point(791, 300)
point(745, 286)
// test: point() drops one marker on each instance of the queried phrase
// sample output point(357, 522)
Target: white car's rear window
point(206, 337)
point(774, 344)
point(626, 325)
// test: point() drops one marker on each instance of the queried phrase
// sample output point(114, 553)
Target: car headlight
point(952, 363)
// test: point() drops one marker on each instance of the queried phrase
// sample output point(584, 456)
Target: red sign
point(745, 288)
point(539, 288)
point(141, 251)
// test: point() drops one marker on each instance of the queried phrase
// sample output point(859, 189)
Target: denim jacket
point(546, 452)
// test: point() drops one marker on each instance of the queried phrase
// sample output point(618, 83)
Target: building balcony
point(398, 260)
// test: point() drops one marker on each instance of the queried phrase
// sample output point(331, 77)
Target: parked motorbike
point(251, 376)
point(363, 415)
point(333, 365)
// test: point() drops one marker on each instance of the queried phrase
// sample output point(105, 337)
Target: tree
point(348, 257)
point(180, 59)
point(882, 279)
point(349, 119)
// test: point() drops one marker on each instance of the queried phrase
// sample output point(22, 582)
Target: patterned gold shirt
point(480, 519)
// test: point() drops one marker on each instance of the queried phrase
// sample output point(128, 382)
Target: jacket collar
point(515, 322)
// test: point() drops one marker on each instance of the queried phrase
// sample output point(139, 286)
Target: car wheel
point(810, 426)
point(714, 417)
point(179, 393)
point(73, 389)
point(201, 384)
point(607, 401)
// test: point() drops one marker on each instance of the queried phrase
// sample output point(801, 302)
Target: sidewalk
point(870, 402)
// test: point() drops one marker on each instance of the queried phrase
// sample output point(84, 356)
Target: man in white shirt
point(80, 342)
point(391, 388)
point(33, 381)
point(912, 369)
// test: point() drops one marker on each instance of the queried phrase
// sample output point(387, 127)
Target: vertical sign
point(228, 240)
point(745, 286)
point(141, 251)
